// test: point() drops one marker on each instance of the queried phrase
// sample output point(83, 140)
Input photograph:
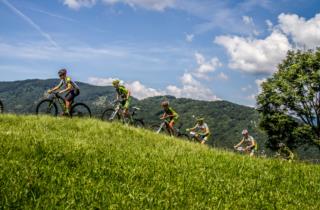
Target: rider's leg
point(68, 100)
point(171, 124)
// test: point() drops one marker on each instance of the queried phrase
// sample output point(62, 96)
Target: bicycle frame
point(55, 97)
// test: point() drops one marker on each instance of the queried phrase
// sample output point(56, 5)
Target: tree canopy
point(290, 101)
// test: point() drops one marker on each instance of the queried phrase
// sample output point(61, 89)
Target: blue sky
point(201, 49)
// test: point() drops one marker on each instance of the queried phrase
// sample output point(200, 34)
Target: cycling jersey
point(248, 140)
point(172, 113)
point(202, 128)
point(122, 91)
point(67, 82)
point(286, 153)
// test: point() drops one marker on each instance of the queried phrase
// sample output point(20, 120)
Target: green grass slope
point(56, 163)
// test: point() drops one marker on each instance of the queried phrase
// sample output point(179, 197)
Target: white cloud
point(102, 81)
point(259, 83)
point(205, 67)
point(158, 5)
point(247, 20)
point(252, 55)
point(190, 88)
point(138, 90)
point(304, 33)
point(77, 4)
point(269, 24)
point(222, 76)
point(189, 37)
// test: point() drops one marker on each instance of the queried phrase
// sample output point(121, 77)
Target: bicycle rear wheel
point(80, 110)
point(47, 107)
point(110, 115)
point(1, 107)
point(138, 123)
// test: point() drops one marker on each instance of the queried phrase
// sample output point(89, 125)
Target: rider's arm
point(69, 87)
point(239, 143)
point(128, 94)
point(56, 87)
point(253, 144)
point(207, 132)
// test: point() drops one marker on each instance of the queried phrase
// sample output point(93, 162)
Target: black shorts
point(72, 94)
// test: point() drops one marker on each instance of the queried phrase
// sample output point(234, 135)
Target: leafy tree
point(290, 101)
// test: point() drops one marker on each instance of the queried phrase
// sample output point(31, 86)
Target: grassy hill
point(58, 163)
point(225, 119)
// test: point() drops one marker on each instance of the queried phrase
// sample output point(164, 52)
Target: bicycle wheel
point(80, 110)
point(1, 107)
point(110, 115)
point(184, 136)
point(47, 107)
point(159, 129)
point(138, 123)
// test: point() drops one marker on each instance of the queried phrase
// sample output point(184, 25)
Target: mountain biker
point(251, 145)
point(284, 152)
point(171, 115)
point(71, 89)
point(124, 94)
point(200, 131)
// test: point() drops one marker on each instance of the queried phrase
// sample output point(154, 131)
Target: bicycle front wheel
point(184, 136)
point(1, 107)
point(159, 129)
point(47, 107)
point(80, 110)
point(110, 115)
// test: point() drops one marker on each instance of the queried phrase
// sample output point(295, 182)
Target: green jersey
point(172, 113)
point(122, 91)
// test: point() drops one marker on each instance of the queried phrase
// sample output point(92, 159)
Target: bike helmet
point(116, 82)
point(165, 104)
point(62, 72)
point(200, 119)
point(244, 132)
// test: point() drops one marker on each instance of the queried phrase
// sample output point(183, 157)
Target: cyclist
point(200, 131)
point(71, 89)
point(124, 94)
point(251, 145)
point(284, 152)
point(171, 115)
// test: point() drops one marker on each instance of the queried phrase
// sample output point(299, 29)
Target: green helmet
point(200, 119)
point(115, 82)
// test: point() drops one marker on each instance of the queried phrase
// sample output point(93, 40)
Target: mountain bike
point(49, 106)
point(1, 107)
point(162, 128)
point(116, 113)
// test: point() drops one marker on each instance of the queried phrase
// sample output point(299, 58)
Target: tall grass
point(58, 163)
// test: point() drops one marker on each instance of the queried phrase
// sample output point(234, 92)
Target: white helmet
point(244, 132)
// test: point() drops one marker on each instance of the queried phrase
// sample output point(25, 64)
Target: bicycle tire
point(156, 127)
point(184, 136)
point(53, 109)
point(107, 114)
point(138, 123)
point(1, 107)
point(83, 112)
